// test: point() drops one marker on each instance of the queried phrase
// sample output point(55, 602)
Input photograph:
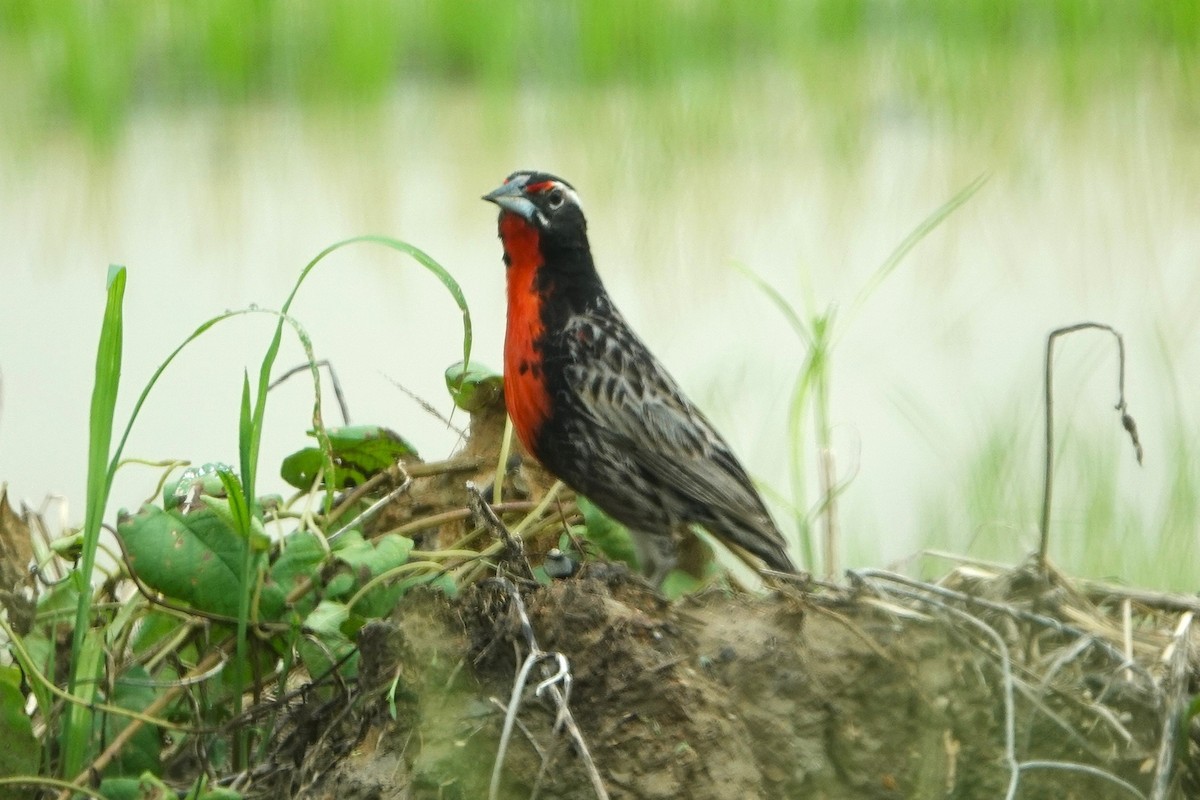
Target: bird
point(591, 402)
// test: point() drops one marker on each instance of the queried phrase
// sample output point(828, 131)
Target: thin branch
point(485, 516)
point(1175, 688)
point(419, 470)
point(1086, 769)
point(1098, 591)
point(333, 379)
point(1127, 421)
point(375, 507)
point(1053, 624)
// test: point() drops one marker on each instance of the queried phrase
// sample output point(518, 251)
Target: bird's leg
point(656, 554)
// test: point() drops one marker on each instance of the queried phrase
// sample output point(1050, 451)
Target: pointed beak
point(511, 198)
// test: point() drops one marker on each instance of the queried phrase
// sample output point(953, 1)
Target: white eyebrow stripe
point(570, 193)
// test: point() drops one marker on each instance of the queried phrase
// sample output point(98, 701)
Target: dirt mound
point(843, 695)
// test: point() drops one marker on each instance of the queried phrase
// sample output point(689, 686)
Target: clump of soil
point(841, 695)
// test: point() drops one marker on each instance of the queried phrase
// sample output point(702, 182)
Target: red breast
point(524, 380)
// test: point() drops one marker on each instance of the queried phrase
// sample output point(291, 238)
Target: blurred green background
point(89, 66)
point(215, 147)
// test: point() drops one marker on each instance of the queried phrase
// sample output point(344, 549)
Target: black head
point(545, 201)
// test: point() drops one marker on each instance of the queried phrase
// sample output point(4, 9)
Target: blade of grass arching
point(137, 407)
point(446, 279)
point(914, 237)
point(418, 255)
point(250, 460)
point(797, 408)
point(203, 328)
point(780, 302)
point(100, 424)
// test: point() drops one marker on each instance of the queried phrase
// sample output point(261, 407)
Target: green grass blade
point(247, 444)
point(812, 336)
point(914, 237)
point(100, 425)
point(86, 671)
point(137, 407)
point(418, 255)
point(241, 508)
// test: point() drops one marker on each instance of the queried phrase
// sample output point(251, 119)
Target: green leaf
point(195, 483)
point(678, 583)
point(196, 557)
point(473, 387)
point(606, 533)
point(327, 619)
point(56, 600)
point(250, 423)
point(324, 625)
point(300, 555)
point(300, 469)
point(19, 749)
point(141, 752)
point(359, 451)
point(238, 508)
point(69, 547)
point(367, 561)
point(153, 627)
point(120, 788)
point(442, 581)
point(390, 551)
point(220, 793)
point(151, 787)
point(41, 653)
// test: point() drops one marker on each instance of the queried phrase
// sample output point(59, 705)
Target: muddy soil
point(716, 696)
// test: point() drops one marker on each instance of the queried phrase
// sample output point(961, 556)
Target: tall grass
point(810, 399)
point(988, 507)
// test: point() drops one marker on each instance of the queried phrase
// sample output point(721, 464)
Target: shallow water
point(1089, 213)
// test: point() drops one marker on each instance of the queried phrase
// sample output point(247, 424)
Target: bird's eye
point(555, 199)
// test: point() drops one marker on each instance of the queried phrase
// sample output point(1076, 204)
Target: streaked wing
point(630, 397)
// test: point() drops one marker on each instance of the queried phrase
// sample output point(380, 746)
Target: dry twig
point(1127, 421)
point(1175, 686)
